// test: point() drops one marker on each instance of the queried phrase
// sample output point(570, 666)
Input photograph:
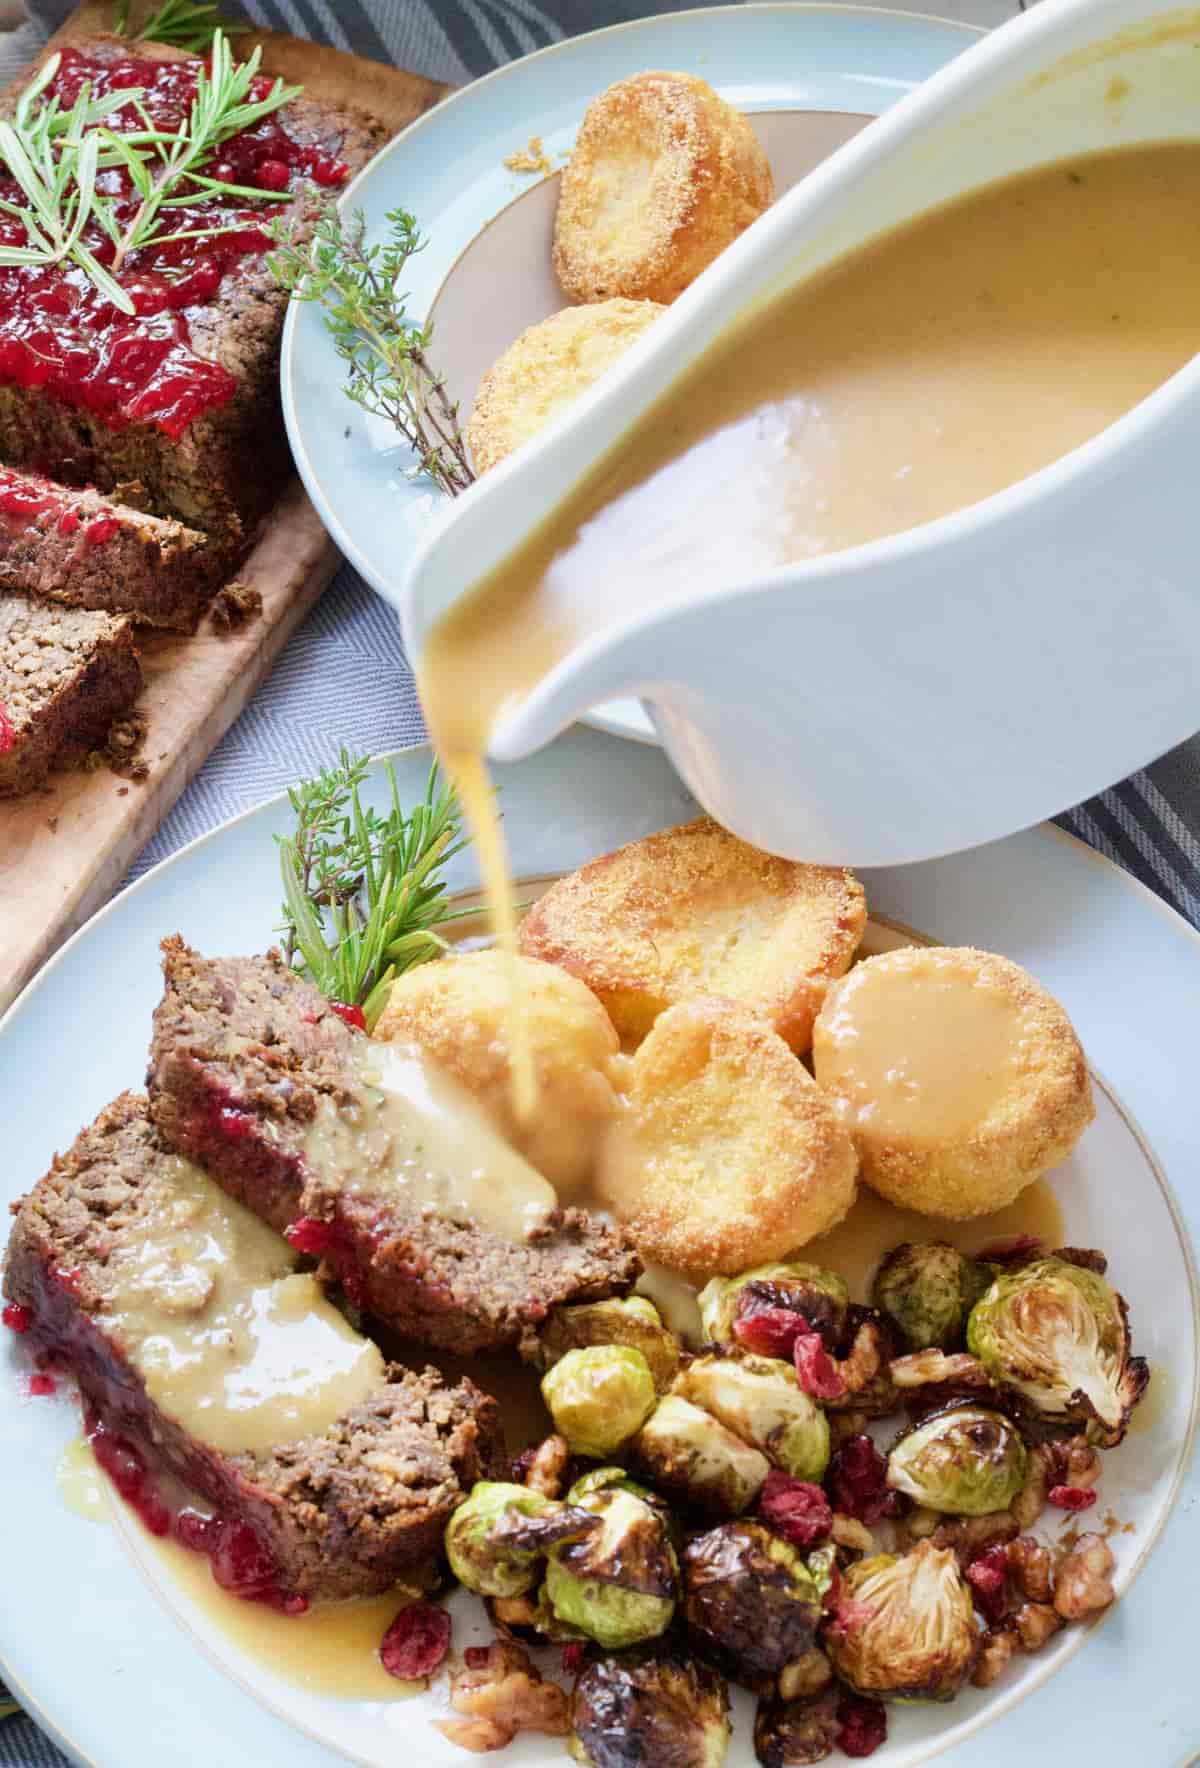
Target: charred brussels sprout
point(633, 1321)
point(1059, 1335)
point(819, 1296)
point(620, 1588)
point(495, 1540)
point(649, 1709)
point(749, 1600)
point(690, 1454)
point(929, 1288)
point(965, 1461)
point(788, 1733)
point(598, 1397)
point(760, 1400)
point(904, 1627)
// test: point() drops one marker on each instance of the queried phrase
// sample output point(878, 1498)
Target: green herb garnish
point(182, 24)
point(364, 894)
point(54, 157)
point(384, 348)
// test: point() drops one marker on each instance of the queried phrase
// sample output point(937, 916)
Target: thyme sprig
point(183, 24)
point(54, 157)
point(385, 350)
point(364, 893)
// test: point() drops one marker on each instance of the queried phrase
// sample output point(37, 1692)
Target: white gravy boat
point(996, 665)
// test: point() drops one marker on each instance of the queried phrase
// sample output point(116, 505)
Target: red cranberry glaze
point(58, 332)
point(349, 1014)
point(42, 1385)
point(16, 1317)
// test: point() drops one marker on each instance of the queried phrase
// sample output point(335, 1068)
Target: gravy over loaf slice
point(369, 1157)
point(214, 1375)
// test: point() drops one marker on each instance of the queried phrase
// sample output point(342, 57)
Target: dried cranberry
point(351, 1014)
point(772, 1332)
point(862, 1725)
point(816, 1370)
point(795, 1509)
point(42, 1385)
point(272, 175)
point(309, 1235)
point(857, 1480)
point(522, 1463)
point(1072, 1497)
point(17, 1317)
point(416, 1642)
point(987, 1575)
point(572, 1657)
point(476, 1657)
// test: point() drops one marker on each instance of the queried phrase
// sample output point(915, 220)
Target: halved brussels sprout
point(598, 1397)
point(1059, 1335)
point(904, 1626)
point(650, 1708)
point(966, 1461)
point(687, 1452)
point(789, 1732)
point(495, 1540)
point(620, 1590)
point(818, 1295)
point(631, 1321)
point(929, 1287)
point(749, 1600)
point(761, 1401)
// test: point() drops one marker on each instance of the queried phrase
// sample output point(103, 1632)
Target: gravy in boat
point(934, 366)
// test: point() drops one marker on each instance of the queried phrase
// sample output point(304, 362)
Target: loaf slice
point(65, 675)
point(80, 549)
point(245, 1055)
point(183, 396)
point(342, 1513)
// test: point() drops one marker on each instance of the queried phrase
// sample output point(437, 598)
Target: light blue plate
point(97, 1653)
point(448, 169)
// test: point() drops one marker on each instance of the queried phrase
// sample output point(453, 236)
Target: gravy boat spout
point(945, 685)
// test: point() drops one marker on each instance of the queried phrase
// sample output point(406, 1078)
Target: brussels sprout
point(750, 1602)
point(761, 1401)
point(929, 1288)
point(904, 1627)
point(620, 1589)
point(649, 1708)
point(633, 1321)
point(495, 1540)
point(599, 1397)
point(693, 1456)
point(965, 1461)
point(789, 1732)
point(819, 1296)
point(1059, 1335)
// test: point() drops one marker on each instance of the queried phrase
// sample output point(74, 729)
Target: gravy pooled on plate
point(930, 368)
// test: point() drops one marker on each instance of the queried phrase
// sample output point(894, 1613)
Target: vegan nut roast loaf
point(244, 1055)
point(174, 408)
point(65, 675)
point(341, 1513)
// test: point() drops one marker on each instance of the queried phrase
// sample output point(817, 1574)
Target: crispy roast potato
point(960, 1079)
point(457, 1009)
point(663, 176)
point(550, 365)
point(728, 1154)
point(694, 911)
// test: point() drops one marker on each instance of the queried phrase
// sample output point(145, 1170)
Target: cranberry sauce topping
point(29, 503)
point(7, 734)
point(58, 332)
point(16, 1317)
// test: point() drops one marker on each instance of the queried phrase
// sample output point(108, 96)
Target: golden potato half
point(960, 1079)
point(550, 365)
point(457, 1009)
point(663, 176)
point(694, 911)
point(728, 1154)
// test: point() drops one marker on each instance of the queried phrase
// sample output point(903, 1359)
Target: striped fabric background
point(344, 679)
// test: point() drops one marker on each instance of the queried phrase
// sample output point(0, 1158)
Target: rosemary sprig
point(364, 894)
point(183, 24)
point(384, 348)
point(54, 157)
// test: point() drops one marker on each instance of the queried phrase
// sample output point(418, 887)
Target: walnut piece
point(806, 1677)
point(500, 1692)
point(1084, 1583)
point(924, 1368)
point(1035, 1622)
point(547, 1471)
point(1029, 1563)
point(844, 1425)
point(997, 1648)
point(848, 1532)
point(969, 1535)
point(1040, 1475)
point(1075, 1463)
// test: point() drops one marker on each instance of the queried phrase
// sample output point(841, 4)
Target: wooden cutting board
point(63, 850)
